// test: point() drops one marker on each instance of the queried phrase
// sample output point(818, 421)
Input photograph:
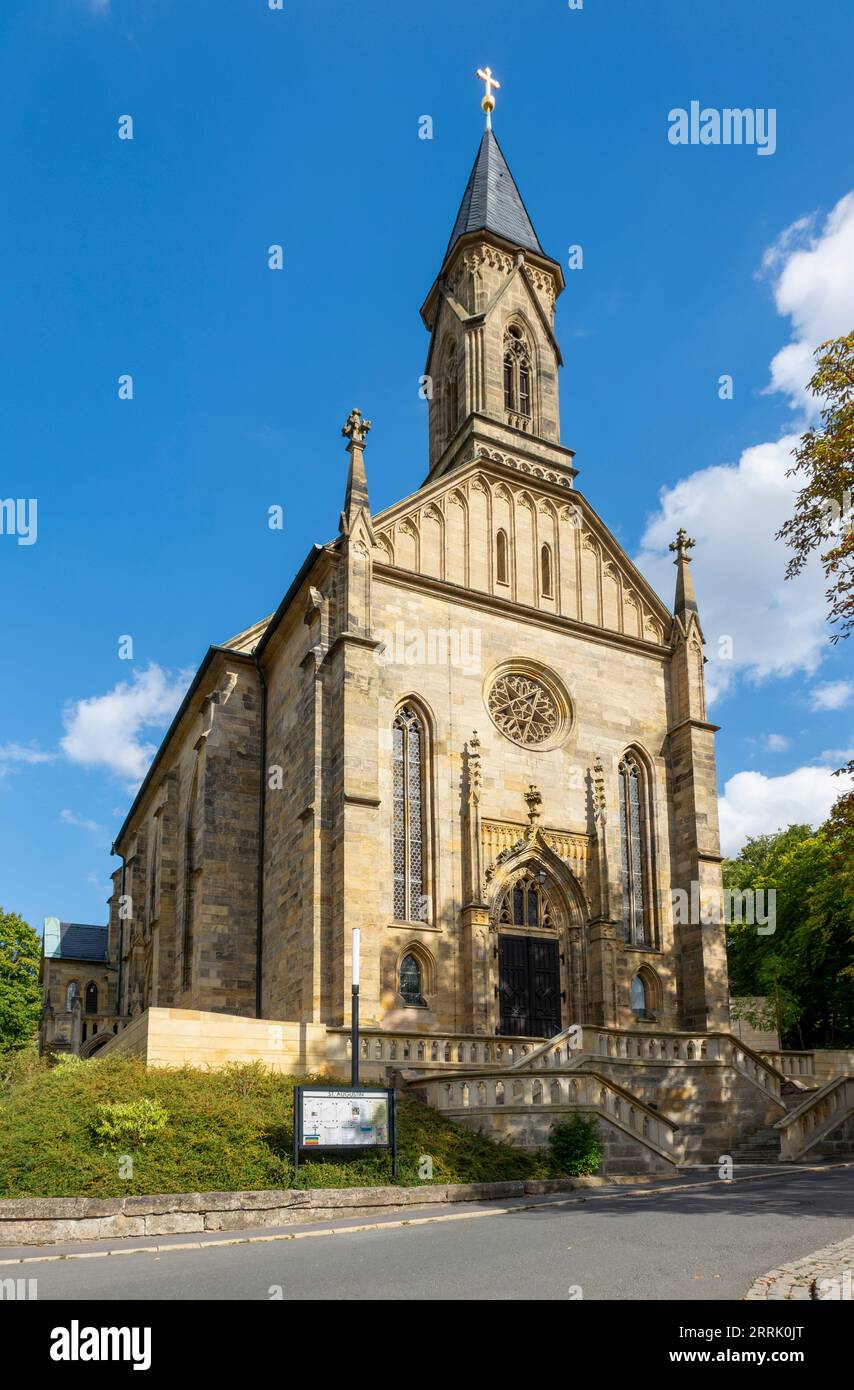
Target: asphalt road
point(706, 1243)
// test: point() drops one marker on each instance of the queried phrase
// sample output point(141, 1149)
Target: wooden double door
point(528, 986)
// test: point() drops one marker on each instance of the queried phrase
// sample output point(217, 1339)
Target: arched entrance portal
point(529, 923)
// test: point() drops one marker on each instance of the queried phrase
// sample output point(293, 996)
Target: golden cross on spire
point(488, 103)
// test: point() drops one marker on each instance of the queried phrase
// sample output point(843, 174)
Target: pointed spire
point(493, 203)
point(686, 599)
point(355, 431)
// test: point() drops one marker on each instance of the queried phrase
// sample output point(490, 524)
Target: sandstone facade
point(494, 613)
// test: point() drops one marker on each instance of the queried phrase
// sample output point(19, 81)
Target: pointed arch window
point(645, 994)
point(638, 995)
point(502, 569)
point(546, 571)
point(71, 995)
point(517, 371)
point(410, 981)
point(526, 904)
point(634, 818)
point(91, 998)
point(408, 799)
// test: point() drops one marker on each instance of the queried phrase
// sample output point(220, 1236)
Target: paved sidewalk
point(826, 1275)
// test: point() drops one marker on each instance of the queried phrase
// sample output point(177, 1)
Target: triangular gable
point(445, 531)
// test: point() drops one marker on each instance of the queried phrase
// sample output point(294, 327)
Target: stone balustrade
point(380, 1049)
point(653, 1046)
point(814, 1119)
point(791, 1063)
point(590, 1092)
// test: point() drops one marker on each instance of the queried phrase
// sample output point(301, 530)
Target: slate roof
point(77, 941)
point(492, 202)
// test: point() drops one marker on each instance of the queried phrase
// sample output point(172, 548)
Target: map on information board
point(344, 1119)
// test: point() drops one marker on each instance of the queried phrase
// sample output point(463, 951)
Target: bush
point(228, 1130)
point(19, 1065)
point(69, 1061)
point(575, 1146)
point(131, 1123)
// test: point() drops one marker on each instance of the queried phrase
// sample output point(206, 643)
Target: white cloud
point(831, 695)
point(776, 743)
point(753, 804)
point(813, 275)
point(71, 819)
point(107, 730)
point(837, 756)
point(18, 753)
point(14, 753)
point(776, 626)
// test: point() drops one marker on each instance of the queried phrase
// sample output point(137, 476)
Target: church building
point(471, 728)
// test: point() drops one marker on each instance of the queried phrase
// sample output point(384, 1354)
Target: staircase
point(761, 1143)
point(666, 1100)
point(757, 1144)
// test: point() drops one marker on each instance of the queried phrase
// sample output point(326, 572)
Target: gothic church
point(470, 728)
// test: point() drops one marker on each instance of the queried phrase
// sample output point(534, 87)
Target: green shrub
point(69, 1061)
point(130, 1123)
point(228, 1130)
point(575, 1146)
point(18, 1065)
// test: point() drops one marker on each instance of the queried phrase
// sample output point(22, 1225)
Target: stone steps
point(760, 1144)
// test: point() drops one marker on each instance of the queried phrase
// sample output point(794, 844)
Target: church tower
point(493, 358)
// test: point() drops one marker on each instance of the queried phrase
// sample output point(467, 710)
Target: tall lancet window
point(410, 902)
point(517, 372)
point(502, 569)
point(191, 884)
point(633, 846)
point(452, 402)
point(546, 571)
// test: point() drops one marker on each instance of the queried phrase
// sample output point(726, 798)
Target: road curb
point(398, 1221)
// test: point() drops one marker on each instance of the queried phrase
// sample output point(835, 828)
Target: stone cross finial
point(356, 428)
point(682, 545)
point(488, 103)
point(534, 800)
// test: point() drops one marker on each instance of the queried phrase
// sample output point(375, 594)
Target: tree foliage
point(20, 992)
point(805, 969)
point(824, 460)
point(823, 519)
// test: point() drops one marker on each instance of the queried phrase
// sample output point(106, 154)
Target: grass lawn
point(225, 1130)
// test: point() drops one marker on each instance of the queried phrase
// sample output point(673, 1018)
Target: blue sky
point(300, 127)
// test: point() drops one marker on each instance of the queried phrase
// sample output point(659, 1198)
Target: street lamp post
point(354, 1044)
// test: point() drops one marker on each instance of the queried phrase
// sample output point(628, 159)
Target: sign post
point(333, 1119)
